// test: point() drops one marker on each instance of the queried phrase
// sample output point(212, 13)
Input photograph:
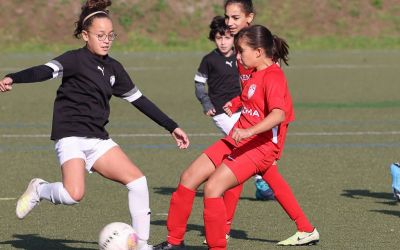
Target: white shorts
point(88, 149)
point(225, 123)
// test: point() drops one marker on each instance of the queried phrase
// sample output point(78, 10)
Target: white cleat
point(29, 199)
point(142, 245)
point(145, 247)
point(301, 239)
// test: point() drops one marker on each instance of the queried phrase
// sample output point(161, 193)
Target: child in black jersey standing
point(81, 110)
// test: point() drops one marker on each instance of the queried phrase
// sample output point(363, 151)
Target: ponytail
point(280, 50)
point(258, 36)
point(90, 10)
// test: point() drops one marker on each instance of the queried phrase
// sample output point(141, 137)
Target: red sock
point(285, 197)
point(179, 211)
point(231, 199)
point(214, 223)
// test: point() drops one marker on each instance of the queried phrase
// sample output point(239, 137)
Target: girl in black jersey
point(81, 110)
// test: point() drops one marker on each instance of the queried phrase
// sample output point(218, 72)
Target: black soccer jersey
point(222, 77)
point(81, 107)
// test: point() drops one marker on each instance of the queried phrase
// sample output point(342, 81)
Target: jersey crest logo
point(101, 69)
point(112, 80)
point(251, 91)
point(229, 63)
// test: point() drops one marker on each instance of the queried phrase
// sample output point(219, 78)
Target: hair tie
point(92, 14)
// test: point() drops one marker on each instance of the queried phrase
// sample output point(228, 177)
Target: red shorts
point(244, 161)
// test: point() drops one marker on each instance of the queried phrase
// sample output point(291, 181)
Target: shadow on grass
point(168, 191)
point(388, 212)
point(35, 242)
point(359, 193)
point(237, 234)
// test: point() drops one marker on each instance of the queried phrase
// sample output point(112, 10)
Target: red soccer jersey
point(244, 75)
point(264, 91)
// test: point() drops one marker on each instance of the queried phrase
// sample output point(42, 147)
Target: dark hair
point(247, 5)
point(258, 36)
point(217, 26)
point(89, 7)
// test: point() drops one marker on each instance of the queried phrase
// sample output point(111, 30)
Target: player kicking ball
point(90, 77)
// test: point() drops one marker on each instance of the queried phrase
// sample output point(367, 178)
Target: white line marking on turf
point(313, 66)
point(342, 66)
point(7, 199)
point(354, 133)
point(161, 214)
point(345, 133)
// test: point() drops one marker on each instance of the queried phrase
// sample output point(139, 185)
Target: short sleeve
point(124, 87)
point(64, 65)
point(275, 91)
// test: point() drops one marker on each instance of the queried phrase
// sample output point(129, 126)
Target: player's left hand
point(182, 140)
point(240, 134)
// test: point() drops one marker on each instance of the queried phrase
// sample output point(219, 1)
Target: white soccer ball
point(118, 236)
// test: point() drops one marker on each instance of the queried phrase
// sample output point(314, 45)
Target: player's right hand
point(211, 112)
point(6, 84)
point(227, 109)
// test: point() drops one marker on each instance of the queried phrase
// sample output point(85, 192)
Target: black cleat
point(167, 246)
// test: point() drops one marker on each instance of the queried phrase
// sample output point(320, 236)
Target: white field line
point(161, 214)
point(355, 133)
point(343, 66)
point(313, 66)
point(7, 199)
point(344, 133)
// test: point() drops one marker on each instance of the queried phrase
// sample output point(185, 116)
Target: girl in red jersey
point(240, 14)
point(252, 147)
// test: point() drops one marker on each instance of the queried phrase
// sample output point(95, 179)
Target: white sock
point(257, 177)
point(138, 198)
point(55, 193)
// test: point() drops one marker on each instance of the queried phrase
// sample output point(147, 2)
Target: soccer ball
point(118, 236)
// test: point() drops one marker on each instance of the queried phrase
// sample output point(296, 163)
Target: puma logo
point(229, 63)
point(101, 69)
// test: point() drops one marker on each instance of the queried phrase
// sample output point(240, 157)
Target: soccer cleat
point(144, 247)
point(301, 239)
point(227, 237)
point(395, 172)
point(29, 199)
point(263, 191)
point(167, 246)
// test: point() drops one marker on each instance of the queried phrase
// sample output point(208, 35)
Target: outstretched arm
point(148, 108)
point(34, 74)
